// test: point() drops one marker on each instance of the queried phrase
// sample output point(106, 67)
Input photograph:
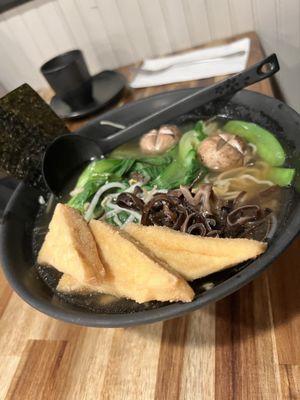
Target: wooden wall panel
point(134, 24)
point(93, 21)
point(197, 21)
point(241, 15)
point(156, 27)
point(113, 22)
point(176, 23)
point(219, 18)
point(9, 75)
point(79, 32)
point(38, 26)
point(55, 24)
point(265, 18)
point(288, 47)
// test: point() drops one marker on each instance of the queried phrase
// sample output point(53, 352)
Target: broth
point(236, 183)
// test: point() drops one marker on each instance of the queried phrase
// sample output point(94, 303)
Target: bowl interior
point(20, 239)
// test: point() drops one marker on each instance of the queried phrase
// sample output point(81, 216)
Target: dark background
point(8, 4)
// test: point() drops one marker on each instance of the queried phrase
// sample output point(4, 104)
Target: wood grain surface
point(245, 346)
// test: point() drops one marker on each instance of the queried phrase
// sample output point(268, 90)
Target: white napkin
point(196, 70)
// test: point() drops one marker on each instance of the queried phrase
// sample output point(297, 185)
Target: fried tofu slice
point(134, 273)
point(70, 247)
point(68, 284)
point(193, 256)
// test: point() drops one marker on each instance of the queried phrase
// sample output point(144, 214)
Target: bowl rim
point(172, 310)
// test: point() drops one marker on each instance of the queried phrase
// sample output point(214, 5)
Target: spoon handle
point(257, 72)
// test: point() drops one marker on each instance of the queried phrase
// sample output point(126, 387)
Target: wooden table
point(243, 347)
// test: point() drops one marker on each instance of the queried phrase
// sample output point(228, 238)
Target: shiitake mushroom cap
point(157, 141)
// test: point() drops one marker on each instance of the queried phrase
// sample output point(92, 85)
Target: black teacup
point(69, 77)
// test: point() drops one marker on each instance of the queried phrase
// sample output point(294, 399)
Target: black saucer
point(108, 86)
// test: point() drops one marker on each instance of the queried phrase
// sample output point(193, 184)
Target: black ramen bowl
point(17, 244)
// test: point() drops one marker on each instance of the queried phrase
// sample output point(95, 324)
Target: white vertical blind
point(241, 15)
point(34, 21)
point(197, 21)
point(156, 27)
point(116, 30)
point(265, 17)
point(134, 24)
point(113, 33)
point(79, 32)
point(93, 21)
point(219, 18)
point(176, 23)
point(54, 25)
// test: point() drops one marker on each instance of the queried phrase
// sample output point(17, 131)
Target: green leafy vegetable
point(96, 169)
point(161, 159)
point(89, 189)
point(95, 175)
point(185, 166)
point(281, 176)
point(123, 216)
point(152, 166)
point(209, 127)
point(179, 172)
point(178, 166)
point(190, 141)
point(268, 147)
point(200, 129)
point(148, 171)
point(126, 150)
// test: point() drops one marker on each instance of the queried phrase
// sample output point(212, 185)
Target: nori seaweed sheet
point(27, 125)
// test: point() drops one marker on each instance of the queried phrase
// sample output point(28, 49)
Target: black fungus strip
point(201, 213)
